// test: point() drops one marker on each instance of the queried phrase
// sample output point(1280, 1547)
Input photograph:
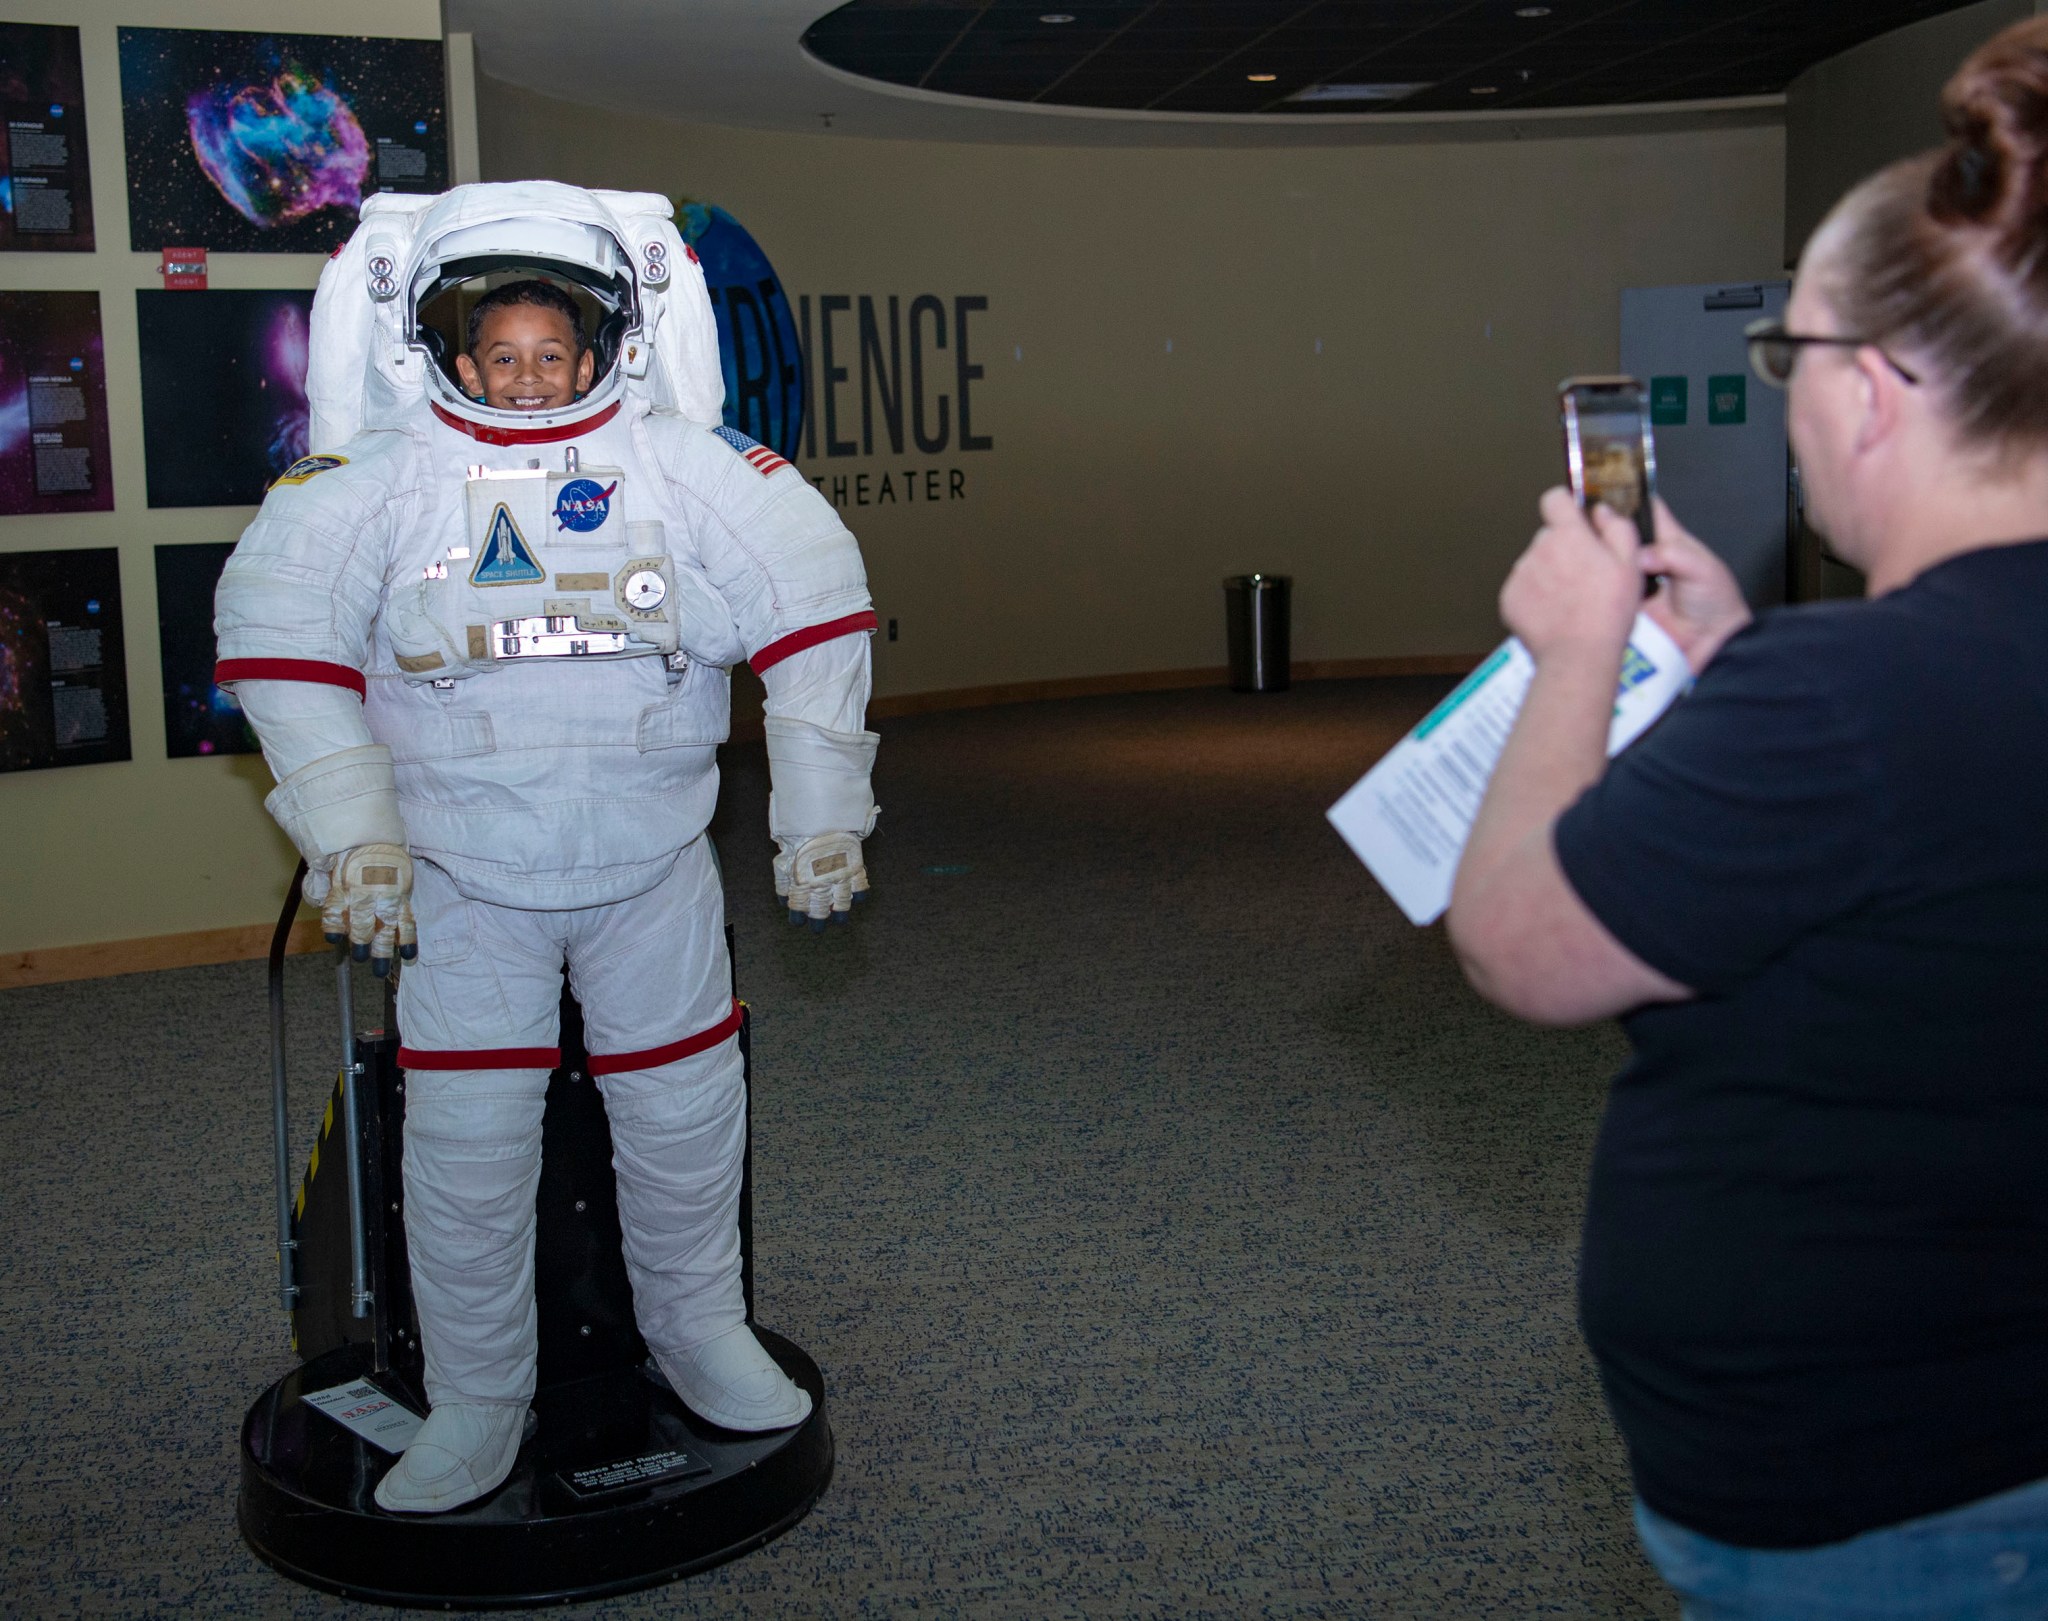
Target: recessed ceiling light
point(1262, 78)
point(1486, 90)
point(1056, 17)
point(1532, 11)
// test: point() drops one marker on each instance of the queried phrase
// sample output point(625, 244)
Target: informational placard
point(63, 674)
point(53, 405)
point(360, 1406)
point(199, 718)
point(1409, 817)
point(268, 143)
point(45, 180)
point(223, 392)
point(642, 1469)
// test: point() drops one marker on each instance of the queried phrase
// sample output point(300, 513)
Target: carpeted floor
point(1178, 1236)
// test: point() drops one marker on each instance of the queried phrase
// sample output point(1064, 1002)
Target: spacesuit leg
point(485, 988)
point(655, 985)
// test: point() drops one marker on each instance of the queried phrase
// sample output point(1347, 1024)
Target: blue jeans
point(1985, 1561)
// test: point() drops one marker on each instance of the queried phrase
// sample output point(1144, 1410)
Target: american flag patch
point(755, 454)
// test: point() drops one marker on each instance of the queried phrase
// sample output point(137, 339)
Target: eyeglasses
point(1773, 351)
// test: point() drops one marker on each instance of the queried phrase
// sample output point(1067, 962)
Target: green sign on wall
point(1728, 401)
point(1667, 402)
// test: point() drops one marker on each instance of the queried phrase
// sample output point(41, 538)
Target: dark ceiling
point(1270, 56)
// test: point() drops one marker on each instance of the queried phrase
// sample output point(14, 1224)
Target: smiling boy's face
point(526, 359)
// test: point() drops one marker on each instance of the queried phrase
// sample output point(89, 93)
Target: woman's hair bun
point(1994, 172)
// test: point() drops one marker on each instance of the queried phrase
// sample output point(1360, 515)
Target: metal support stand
point(352, 1070)
point(287, 1242)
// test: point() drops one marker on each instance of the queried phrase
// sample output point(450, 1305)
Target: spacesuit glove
point(820, 878)
point(366, 900)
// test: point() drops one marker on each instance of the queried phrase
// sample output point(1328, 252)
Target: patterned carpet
point(1178, 1236)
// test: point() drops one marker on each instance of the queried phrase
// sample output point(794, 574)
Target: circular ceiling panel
point(1259, 58)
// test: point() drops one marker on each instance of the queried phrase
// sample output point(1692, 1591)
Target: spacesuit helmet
point(578, 255)
point(380, 345)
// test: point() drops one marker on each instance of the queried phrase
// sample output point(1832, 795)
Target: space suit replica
point(487, 654)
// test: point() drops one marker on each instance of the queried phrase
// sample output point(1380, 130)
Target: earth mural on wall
point(757, 339)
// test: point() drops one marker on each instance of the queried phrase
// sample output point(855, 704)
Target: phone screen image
point(1608, 450)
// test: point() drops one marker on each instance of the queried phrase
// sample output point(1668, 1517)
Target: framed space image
point(63, 674)
point(198, 717)
point(268, 143)
point(45, 181)
point(223, 392)
point(53, 405)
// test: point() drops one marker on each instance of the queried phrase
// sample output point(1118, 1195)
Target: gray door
point(1721, 457)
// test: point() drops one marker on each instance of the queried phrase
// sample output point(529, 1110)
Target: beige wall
point(1854, 113)
point(150, 845)
point(1393, 473)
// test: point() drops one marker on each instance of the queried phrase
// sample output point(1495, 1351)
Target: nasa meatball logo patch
point(309, 467)
point(751, 451)
point(583, 505)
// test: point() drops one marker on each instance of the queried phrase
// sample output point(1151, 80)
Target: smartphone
point(1609, 452)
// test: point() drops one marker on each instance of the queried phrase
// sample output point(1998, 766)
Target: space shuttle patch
point(504, 559)
point(751, 451)
point(308, 467)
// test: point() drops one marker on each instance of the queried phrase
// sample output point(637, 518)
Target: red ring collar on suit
point(527, 436)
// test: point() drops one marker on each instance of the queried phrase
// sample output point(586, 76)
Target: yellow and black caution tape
point(313, 1160)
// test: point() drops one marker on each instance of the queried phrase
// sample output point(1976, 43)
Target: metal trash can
point(1255, 617)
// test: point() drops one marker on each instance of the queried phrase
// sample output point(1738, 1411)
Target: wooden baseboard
point(55, 964)
point(1026, 692)
point(747, 729)
point(1411, 664)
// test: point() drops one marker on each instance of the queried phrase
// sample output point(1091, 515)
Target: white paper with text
point(362, 1407)
point(1408, 817)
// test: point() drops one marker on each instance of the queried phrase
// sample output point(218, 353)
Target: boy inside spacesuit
point(526, 349)
point(526, 800)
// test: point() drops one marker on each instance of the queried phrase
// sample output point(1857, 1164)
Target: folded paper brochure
point(1408, 817)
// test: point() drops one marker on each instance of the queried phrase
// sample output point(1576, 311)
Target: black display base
point(569, 1524)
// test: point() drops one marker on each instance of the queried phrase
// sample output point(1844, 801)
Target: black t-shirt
point(1815, 1269)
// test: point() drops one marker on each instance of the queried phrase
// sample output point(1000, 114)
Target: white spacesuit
point(486, 652)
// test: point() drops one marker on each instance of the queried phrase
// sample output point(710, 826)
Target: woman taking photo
point(1815, 1264)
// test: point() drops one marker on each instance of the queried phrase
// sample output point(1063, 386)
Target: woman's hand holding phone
point(1701, 604)
point(1577, 584)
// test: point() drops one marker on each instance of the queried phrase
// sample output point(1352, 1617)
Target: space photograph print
point(53, 405)
point(45, 175)
point(223, 391)
point(268, 143)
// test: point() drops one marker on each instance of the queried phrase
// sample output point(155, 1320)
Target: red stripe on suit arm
point(332, 675)
point(797, 640)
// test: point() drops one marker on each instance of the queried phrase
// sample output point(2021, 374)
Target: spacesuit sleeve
point(792, 576)
point(821, 758)
point(292, 617)
point(770, 545)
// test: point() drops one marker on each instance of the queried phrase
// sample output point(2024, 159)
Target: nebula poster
point(223, 392)
point(63, 676)
point(45, 182)
point(53, 405)
point(198, 717)
point(268, 143)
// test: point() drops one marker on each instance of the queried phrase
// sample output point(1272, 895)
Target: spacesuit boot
point(733, 1382)
point(462, 1451)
